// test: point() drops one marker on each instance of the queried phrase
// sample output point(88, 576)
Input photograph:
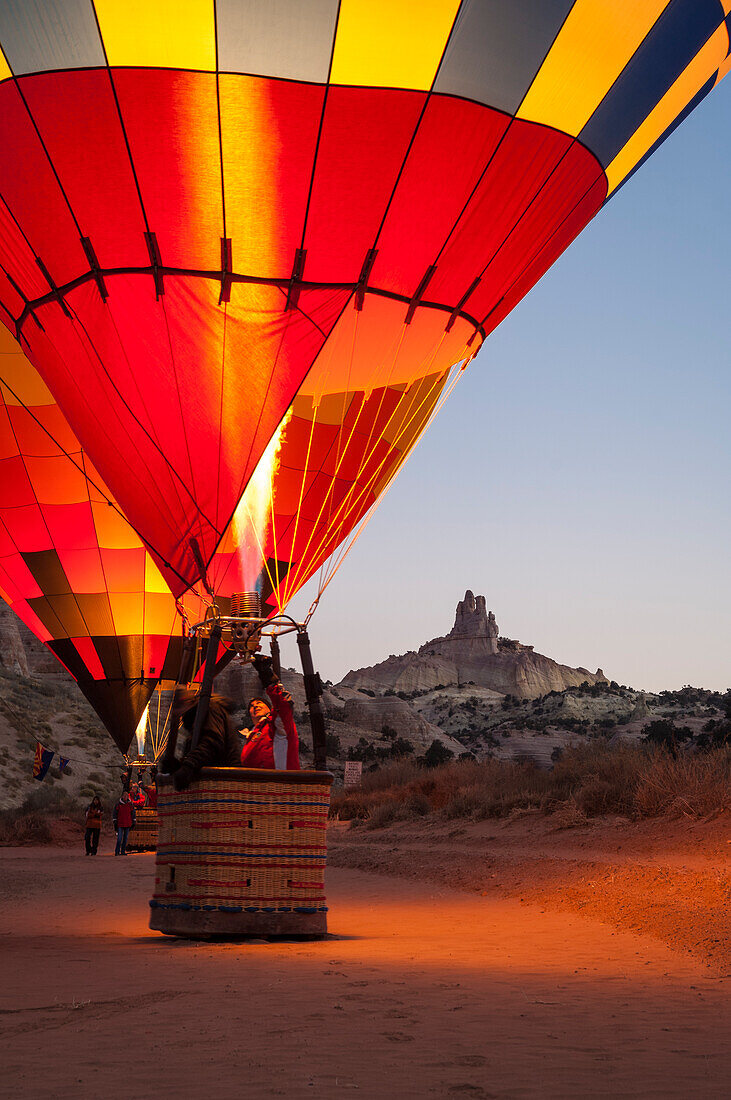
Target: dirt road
point(422, 991)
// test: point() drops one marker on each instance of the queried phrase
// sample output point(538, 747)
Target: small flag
point(63, 763)
point(42, 761)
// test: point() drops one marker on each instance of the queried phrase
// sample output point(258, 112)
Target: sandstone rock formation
point(472, 652)
point(21, 652)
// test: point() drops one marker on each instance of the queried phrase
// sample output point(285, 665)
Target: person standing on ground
point(93, 825)
point(124, 819)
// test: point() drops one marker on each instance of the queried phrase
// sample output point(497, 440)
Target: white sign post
point(353, 773)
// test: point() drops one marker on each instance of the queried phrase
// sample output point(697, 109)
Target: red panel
point(32, 193)
point(71, 527)
point(520, 170)
point(269, 134)
point(17, 489)
point(79, 123)
point(171, 119)
point(156, 648)
point(43, 430)
point(576, 174)
point(365, 135)
point(83, 569)
point(582, 213)
point(27, 527)
point(453, 145)
point(141, 383)
point(90, 657)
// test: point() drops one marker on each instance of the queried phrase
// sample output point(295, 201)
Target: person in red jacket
point(124, 819)
point(137, 796)
point(273, 742)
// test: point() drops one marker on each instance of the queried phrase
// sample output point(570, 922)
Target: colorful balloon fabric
point(250, 242)
point(70, 565)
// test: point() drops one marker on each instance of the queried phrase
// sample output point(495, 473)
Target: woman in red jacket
point(273, 742)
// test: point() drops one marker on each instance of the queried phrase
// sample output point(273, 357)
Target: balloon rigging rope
point(289, 586)
point(344, 508)
point(303, 557)
point(347, 546)
point(376, 475)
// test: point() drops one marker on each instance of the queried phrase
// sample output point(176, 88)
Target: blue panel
point(700, 95)
point(282, 38)
point(497, 47)
point(669, 48)
point(38, 35)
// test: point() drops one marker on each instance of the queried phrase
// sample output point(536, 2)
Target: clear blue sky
point(579, 475)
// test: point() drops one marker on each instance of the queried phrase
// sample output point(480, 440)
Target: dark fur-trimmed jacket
point(219, 745)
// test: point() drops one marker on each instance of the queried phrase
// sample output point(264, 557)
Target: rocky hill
point(472, 653)
point(469, 691)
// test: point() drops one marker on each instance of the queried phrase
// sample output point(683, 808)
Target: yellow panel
point(414, 407)
point(127, 612)
point(4, 67)
point(154, 581)
point(163, 34)
point(112, 530)
point(159, 613)
point(20, 375)
point(391, 43)
point(702, 67)
point(725, 68)
point(596, 42)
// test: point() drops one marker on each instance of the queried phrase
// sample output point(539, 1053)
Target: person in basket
point(273, 742)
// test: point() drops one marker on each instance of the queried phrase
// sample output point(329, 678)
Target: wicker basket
point(143, 834)
point(242, 852)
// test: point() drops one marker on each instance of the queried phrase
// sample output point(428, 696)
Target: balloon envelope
point(262, 233)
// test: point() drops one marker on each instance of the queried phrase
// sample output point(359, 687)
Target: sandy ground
point(422, 990)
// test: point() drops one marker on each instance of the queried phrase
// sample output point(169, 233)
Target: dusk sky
point(579, 474)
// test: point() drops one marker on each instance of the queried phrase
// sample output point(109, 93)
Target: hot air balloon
point(70, 565)
point(212, 216)
point(249, 245)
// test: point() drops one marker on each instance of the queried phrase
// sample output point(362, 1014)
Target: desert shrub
point(586, 781)
point(569, 815)
point(436, 754)
point(33, 822)
point(25, 828)
point(666, 734)
point(332, 744)
point(695, 785)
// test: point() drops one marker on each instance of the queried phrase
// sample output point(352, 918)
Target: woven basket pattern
point(242, 846)
point(144, 832)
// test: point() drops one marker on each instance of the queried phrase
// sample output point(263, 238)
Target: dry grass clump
point(44, 818)
point(693, 785)
point(589, 780)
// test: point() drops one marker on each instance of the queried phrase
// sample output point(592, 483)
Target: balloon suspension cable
point(341, 552)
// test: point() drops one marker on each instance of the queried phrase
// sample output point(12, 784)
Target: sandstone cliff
point(472, 652)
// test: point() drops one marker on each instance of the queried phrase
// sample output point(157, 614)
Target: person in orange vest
point(93, 825)
point(124, 818)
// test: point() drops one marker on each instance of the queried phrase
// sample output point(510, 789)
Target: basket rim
point(255, 775)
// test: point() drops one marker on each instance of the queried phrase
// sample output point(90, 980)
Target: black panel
point(45, 565)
